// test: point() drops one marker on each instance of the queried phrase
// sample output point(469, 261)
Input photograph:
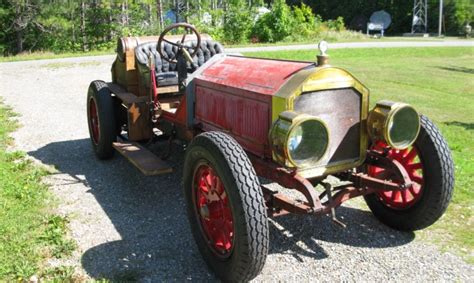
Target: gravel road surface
point(128, 226)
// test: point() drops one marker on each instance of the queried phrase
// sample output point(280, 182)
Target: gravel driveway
point(128, 226)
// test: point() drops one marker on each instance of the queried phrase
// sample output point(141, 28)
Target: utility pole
point(440, 17)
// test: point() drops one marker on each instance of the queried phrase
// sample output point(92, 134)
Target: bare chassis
point(357, 184)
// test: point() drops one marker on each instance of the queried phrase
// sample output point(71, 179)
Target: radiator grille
point(340, 109)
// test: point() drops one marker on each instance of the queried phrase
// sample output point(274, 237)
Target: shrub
point(237, 24)
point(304, 20)
point(275, 25)
point(262, 31)
point(337, 24)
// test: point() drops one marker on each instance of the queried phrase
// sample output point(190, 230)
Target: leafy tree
point(20, 24)
point(458, 14)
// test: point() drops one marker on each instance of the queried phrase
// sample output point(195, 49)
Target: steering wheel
point(188, 51)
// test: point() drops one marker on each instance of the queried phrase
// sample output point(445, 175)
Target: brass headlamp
point(394, 123)
point(298, 140)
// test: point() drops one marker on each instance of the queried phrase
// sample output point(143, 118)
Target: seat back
point(143, 52)
point(207, 49)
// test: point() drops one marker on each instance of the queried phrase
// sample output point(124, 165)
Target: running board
point(147, 162)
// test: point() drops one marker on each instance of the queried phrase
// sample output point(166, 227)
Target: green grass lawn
point(29, 232)
point(439, 82)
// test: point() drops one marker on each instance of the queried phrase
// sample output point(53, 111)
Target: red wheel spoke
point(413, 167)
point(214, 212)
point(227, 244)
point(220, 189)
point(415, 190)
point(208, 182)
point(403, 152)
point(394, 196)
point(404, 196)
point(410, 194)
point(411, 155)
point(226, 236)
point(417, 179)
point(413, 193)
point(398, 154)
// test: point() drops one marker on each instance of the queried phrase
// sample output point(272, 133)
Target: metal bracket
point(288, 179)
point(328, 188)
point(376, 159)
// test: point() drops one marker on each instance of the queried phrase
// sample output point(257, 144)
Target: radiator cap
point(323, 57)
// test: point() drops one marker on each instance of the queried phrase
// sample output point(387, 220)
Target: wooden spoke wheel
point(226, 208)
point(101, 119)
point(213, 210)
point(430, 167)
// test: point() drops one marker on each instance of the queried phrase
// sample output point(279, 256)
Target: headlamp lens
point(307, 142)
point(403, 127)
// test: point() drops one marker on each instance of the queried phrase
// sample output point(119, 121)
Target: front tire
point(226, 208)
point(101, 119)
point(430, 166)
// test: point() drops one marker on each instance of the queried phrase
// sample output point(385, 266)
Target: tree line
point(456, 12)
point(82, 25)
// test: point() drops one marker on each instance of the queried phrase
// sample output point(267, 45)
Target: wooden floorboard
point(147, 162)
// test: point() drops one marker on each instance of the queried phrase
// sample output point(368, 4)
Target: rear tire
point(101, 119)
point(244, 256)
point(436, 190)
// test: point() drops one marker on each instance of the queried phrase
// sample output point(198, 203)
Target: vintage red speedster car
point(291, 122)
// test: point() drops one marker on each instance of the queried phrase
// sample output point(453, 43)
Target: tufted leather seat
point(207, 49)
point(166, 73)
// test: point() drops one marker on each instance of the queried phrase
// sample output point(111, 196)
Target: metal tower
point(180, 8)
point(420, 17)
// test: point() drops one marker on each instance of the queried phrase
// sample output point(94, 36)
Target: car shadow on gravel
point(307, 236)
point(149, 215)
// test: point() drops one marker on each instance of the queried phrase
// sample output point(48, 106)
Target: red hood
point(251, 74)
